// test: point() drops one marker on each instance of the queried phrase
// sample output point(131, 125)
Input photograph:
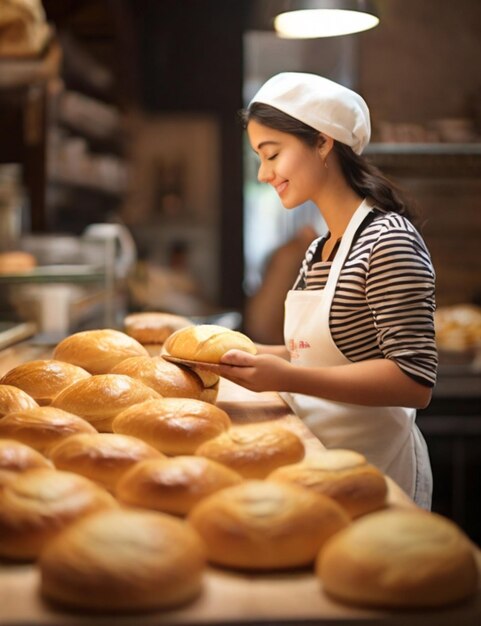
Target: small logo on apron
point(294, 346)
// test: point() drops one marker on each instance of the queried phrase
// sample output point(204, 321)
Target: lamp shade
point(307, 19)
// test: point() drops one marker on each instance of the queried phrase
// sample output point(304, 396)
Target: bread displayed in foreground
point(123, 560)
point(100, 398)
point(343, 475)
point(153, 327)
point(44, 379)
point(173, 485)
point(38, 503)
point(254, 450)
point(206, 342)
point(173, 425)
point(16, 457)
point(98, 351)
point(399, 559)
point(265, 525)
point(42, 427)
point(166, 378)
point(14, 399)
point(102, 457)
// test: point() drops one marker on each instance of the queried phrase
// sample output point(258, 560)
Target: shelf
point(460, 160)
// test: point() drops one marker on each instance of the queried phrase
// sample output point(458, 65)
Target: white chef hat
point(320, 103)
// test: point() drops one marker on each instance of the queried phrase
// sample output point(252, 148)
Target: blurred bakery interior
point(126, 183)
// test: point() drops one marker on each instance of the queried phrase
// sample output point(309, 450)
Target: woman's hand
point(257, 372)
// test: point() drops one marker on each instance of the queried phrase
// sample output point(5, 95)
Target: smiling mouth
point(280, 188)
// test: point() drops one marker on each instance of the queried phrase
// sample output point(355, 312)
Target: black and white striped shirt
point(384, 301)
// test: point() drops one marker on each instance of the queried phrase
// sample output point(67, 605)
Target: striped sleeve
point(400, 293)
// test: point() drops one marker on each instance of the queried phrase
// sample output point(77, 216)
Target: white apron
point(387, 436)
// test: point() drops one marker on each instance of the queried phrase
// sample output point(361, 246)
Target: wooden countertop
point(228, 598)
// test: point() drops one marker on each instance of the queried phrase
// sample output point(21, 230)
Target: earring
point(325, 164)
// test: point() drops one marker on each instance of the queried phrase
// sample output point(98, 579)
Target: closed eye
point(271, 158)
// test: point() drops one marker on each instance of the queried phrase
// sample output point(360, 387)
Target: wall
point(422, 64)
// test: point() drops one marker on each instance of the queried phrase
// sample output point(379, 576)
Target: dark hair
point(363, 177)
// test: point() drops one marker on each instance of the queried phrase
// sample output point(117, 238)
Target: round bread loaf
point(173, 425)
point(173, 485)
point(16, 261)
point(16, 457)
point(343, 475)
point(123, 560)
point(102, 457)
point(98, 351)
point(42, 427)
point(254, 450)
point(38, 503)
point(166, 378)
point(153, 327)
point(14, 399)
point(401, 559)
point(206, 342)
point(101, 397)
point(44, 379)
point(266, 525)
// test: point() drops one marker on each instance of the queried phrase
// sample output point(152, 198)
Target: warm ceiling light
point(323, 18)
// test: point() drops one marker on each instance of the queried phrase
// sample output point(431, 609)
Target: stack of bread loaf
point(122, 479)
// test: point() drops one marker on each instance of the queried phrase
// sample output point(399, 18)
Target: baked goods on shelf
point(100, 398)
point(206, 343)
point(123, 561)
point(173, 425)
point(168, 379)
point(254, 450)
point(14, 399)
point(399, 558)
point(343, 475)
point(151, 327)
point(173, 485)
point(16, 261)
point(43, 379)
point(102, 457)
point(42, 427)
point(266, 525)
point(98, 351)
point(38, 503)
point(458, 328)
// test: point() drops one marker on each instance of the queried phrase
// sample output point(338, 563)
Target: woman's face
point(293, 168)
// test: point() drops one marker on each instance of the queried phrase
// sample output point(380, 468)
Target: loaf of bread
point(38, 503)
point(43, 379)
point(254, 450)
point(42, 427)
point(173, 485)
point(98, 351)
point(16, 457)
point(399, 558)
point(206, 342)
point(101, 397)
point(343, 475)
point(166, 378)
point(16, 261)
point(102, 457)
point(153, 327)
point(266, 525)
point(123, 561)
point(173, 425)
point(14, 399)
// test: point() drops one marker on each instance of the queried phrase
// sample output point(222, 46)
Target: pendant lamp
point(308, 19)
